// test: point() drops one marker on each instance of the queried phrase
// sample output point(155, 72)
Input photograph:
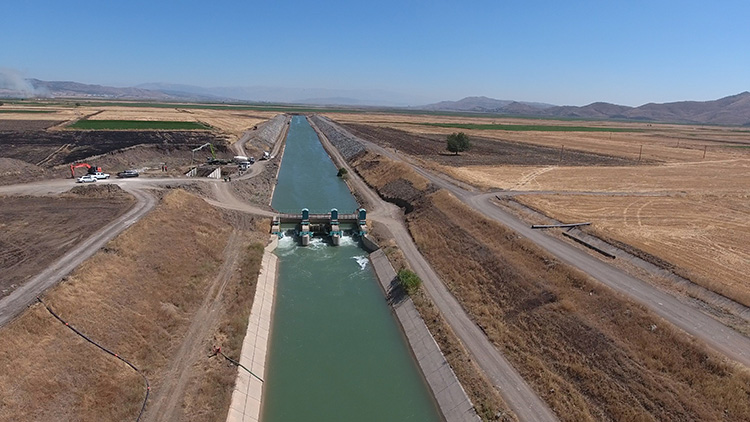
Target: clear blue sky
point(576, 52)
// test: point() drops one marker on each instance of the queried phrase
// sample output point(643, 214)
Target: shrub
point(409, 281)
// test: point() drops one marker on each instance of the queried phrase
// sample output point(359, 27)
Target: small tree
point(342, 173)
point(409, 281)
point(458, 142)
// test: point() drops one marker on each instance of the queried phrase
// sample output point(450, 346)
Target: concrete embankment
point(248, 388)
point(448, 392)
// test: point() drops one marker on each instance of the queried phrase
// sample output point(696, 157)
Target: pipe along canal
point(336, 351)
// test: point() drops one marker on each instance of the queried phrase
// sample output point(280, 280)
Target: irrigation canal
point(336, 351)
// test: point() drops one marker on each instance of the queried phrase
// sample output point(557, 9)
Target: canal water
point(336, 353)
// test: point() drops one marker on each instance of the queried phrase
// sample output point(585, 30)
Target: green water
point(336, 353)
point(307, 178)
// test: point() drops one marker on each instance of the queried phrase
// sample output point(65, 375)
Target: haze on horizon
point(567, 54)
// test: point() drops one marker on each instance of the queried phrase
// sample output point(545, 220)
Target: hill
point(733, 110)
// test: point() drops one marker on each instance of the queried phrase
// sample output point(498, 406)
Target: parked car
point(127, 173)
point(88, 178)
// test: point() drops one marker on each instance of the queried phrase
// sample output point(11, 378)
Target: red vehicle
point(91, 169)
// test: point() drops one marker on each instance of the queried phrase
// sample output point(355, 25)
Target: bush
point(342, 172)
point(409, 281)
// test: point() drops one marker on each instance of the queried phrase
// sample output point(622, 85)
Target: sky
point(564, 53)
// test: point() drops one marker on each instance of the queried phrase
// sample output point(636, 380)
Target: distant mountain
point(732, 110)
point(323, 96)
point(78, 90)
point(485, 105)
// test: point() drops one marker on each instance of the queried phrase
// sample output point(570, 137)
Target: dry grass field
point(705, 236)
point(675, 204)
point(589, 352)
point(716, 177)
point(136, 296)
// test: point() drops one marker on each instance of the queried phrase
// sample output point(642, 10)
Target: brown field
point(137, 296)
point(589, 352)
point(36, 231)
point(662, 142)
point(705, 236)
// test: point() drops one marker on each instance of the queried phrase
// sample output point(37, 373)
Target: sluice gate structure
point(332, 224)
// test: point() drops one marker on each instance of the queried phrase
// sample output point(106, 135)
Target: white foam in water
point(347, 241)
point(362, 261)
point(317, 243)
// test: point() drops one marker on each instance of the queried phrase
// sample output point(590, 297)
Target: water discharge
point(337, 353)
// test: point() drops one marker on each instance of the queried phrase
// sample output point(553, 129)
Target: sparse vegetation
point(136, 125)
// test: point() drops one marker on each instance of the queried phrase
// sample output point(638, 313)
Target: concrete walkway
point(248, 390)
point(451, 398)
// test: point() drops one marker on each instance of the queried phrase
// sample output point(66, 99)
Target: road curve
point(23, 296)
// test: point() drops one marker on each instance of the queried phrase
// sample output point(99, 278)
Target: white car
point(100, 175)
point(88, 178)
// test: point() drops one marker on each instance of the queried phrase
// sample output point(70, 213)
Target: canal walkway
point(449, 394)
point(248, 389)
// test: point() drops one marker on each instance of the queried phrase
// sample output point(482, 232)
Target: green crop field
point(529, 128)
point(137, 124)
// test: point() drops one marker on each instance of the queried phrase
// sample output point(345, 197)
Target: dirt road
point(167, 403)
point(517, 393)
point(23, 296)
point(692, 320)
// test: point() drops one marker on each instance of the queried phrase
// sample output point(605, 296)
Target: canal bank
point(451, 397)
point(246, 397)
point(434, 374)
point(336, 352)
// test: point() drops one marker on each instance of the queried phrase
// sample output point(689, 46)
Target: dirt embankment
point(137, 296)
point(14, 171)
point(590, 353)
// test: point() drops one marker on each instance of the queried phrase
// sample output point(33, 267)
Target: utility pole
point(705, 147)
point(562, 147)
point(640, 153)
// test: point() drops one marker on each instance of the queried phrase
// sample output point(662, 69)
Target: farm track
point(167, 404)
